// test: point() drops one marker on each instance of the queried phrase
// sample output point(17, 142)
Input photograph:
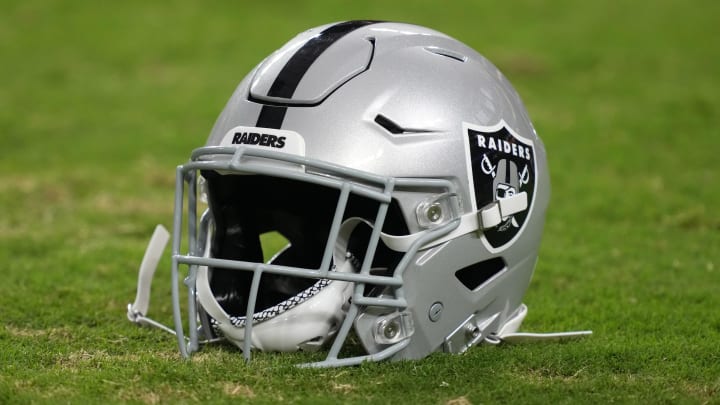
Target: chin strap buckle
point(471, 332)
point(141, 320)
point(499, 210)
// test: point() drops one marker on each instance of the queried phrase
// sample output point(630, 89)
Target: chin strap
point(137, 310)
point(485, 218)
point(537, 337)
point(474, 331)
point(455, 342)
point(508, 333)
point(497, 211)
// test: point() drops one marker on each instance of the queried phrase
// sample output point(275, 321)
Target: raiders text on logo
point(254, 138)
point(501, 165)
point(502, 145)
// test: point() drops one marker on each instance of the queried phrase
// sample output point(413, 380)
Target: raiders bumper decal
point(265, 138)
point(500, 164)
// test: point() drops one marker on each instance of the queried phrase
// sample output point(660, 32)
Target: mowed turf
point(99, 102)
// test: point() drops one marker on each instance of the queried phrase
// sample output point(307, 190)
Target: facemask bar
point(242, 161)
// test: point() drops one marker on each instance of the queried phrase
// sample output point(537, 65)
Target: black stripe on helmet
point(292, 73)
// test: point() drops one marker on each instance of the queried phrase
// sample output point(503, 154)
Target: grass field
point(99, 102)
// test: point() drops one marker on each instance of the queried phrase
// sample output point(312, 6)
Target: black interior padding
point(246, 206)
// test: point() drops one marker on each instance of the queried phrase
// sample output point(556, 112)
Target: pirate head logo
point(501, 165)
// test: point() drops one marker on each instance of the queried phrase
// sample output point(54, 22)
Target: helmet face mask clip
point(407, 184)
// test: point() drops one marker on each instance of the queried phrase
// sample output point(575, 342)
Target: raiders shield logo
point(501, 164)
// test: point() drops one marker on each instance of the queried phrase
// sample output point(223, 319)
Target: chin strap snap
point(494, 213)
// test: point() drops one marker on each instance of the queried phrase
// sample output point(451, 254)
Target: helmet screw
point(472, 331)
point(434, 212)
point(435, 311)
point(391, 329)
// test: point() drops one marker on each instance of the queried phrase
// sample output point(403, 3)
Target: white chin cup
point(307, 326)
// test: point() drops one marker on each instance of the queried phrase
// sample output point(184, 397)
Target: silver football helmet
point(402, 171)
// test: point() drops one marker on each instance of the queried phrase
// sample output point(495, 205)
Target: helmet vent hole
point(447, 53)
point(394, 128)
point(477, 274)
point(388, 124)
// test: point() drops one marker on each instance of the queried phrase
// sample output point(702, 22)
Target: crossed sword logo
point(488, 168)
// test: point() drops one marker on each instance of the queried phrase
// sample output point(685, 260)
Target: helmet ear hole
point(477, 274)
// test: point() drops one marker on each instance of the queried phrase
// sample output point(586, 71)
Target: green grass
point(99, 102)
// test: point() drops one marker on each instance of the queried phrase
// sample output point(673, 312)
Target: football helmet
point(401, 171)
